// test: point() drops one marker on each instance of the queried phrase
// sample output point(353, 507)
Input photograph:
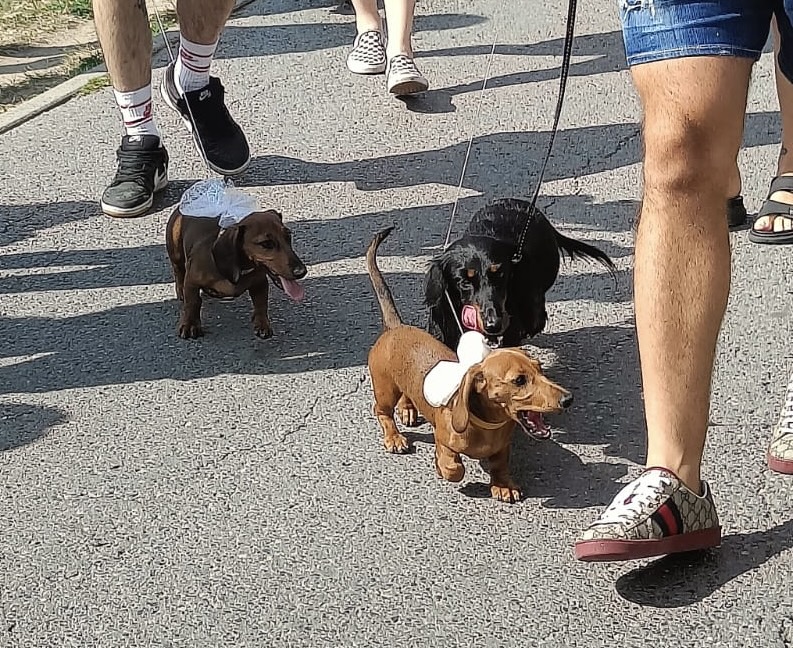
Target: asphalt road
point(234, 492)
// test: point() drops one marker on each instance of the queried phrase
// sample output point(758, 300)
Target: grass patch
point(168, 18)
point(26, 19)
point(34, 84)
point(77, 8)
point(94, 84)
point(85, 64)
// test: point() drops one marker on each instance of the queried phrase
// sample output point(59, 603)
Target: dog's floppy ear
point(474, 378)
point(227, 253)
point(434, 283)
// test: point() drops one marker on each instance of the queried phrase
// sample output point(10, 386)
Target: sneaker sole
point(166, 97)
point(365, 68)
point(782, 466)
point(619, 550)
point(132, 212)
point(413, 86)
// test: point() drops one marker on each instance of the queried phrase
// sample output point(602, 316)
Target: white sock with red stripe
point(192, 65)
point(136, 109)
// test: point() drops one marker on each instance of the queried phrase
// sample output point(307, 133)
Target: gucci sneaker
point(142, 170)
point(403, 77)
point(656, 514)
point(205, 114)
point(780, 452)
point(368, 54)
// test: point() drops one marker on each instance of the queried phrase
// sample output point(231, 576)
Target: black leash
point(565, 69)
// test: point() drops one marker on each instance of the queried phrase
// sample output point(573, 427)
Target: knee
point(686, 156)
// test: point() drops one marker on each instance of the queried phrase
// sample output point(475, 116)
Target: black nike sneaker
point(221, 138)
point(142, 170)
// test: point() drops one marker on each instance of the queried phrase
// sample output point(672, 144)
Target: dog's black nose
point(491, 321)
point(565, 401)
point(299, 271)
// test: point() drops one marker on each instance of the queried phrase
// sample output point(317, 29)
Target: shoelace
point(136, 166)
point(634, 498)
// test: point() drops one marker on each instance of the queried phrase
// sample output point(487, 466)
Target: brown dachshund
point(228, 262)
point(495, 394)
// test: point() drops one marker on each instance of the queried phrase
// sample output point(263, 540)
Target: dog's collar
point(484, 425)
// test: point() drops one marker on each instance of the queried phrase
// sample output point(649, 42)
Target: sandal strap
point(776, 208)
point(781, 183)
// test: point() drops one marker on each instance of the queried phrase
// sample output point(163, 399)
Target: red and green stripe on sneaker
point(654, 515)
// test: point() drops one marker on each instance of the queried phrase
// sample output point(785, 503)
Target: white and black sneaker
point(403, 77)
point(368, 54)
point(221, 138)
point(142, 170)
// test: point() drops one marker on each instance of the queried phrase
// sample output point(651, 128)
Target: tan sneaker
point(780, 451)
point(654, 515)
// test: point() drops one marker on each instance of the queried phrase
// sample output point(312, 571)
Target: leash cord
point(563, 74)
point(193, 127)
point(477, 121)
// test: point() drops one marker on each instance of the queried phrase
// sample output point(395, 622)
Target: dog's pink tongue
point(470, 319)
point(294, 289)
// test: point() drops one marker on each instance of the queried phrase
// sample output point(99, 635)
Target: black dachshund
point(502, 299)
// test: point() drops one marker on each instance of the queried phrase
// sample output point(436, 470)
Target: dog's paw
point(190, 330)
point(262, 328)
point(396, 444)
point(264, 332)
point(509, 493)
point(408, 415)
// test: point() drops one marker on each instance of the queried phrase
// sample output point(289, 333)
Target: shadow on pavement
point(685, 579)
point(22, 423)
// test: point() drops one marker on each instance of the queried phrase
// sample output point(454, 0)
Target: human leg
point(367, 55)
point(122, 28)
point(199, 98)
point(402, 76)
point(774, 224)
point(692, 134)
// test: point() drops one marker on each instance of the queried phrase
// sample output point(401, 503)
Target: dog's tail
point(578, 249)
point(391, 318)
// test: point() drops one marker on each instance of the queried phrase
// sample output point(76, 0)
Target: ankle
point(137, 111)
point(192, 65)
point(395, 48)
point(365, 23)
point(688, 473)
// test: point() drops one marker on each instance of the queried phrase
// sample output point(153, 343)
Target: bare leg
point(122, 27)
point(367, 18)
point(399, 19)
point(682, 277)
point(202, 21)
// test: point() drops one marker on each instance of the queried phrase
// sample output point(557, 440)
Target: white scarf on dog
point(217, 199)
point(444, 379)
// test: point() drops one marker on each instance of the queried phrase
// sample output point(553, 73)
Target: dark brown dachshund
point(494, 395)
point(228, 262)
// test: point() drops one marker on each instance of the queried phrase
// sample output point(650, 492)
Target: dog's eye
point(520, 380)
point(267, 244)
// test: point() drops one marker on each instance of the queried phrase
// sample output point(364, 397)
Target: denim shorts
point(656, 30)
